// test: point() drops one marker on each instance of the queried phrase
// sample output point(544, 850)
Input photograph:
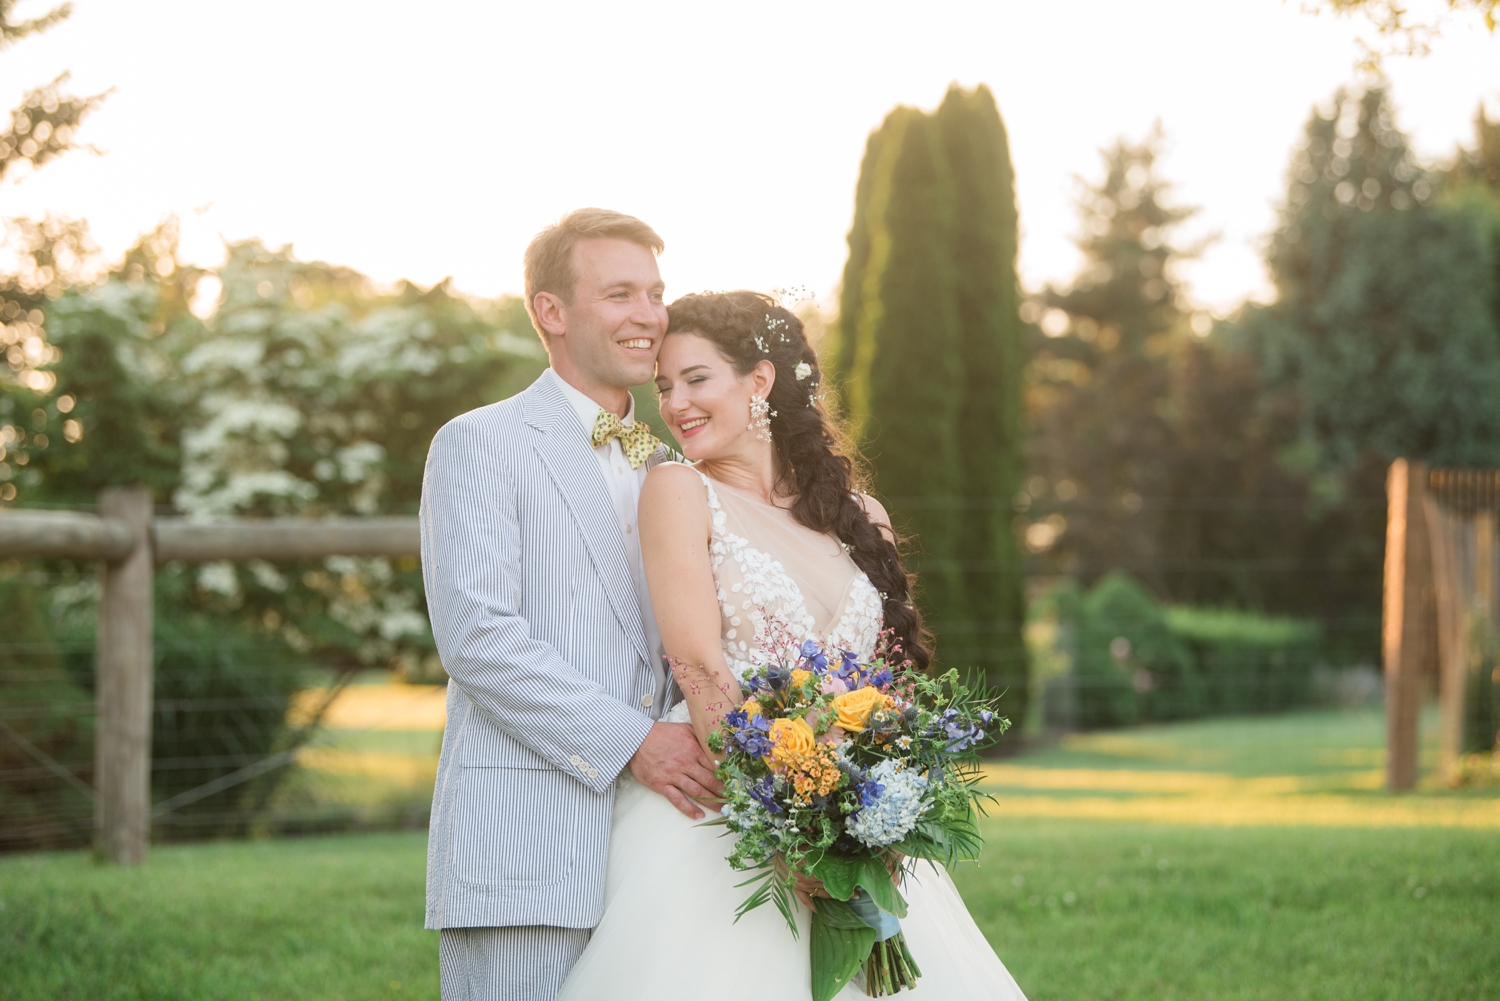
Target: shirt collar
point(586, 409)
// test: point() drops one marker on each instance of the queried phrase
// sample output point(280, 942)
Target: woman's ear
point(763, 377)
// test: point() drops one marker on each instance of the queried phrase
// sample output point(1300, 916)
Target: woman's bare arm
point(675, 531)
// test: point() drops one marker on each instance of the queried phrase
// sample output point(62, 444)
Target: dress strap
point(715, 509)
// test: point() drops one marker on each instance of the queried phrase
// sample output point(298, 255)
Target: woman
point(759, 544)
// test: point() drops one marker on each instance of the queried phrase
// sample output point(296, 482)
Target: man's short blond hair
point(549, 256)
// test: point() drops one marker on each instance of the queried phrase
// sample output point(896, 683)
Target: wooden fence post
point(122, 686)
point(1405, 629)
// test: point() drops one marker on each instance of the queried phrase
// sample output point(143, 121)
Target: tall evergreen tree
point(1104, 441)
point(991, 348)
point(926, 359)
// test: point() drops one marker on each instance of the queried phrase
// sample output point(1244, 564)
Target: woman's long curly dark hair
point(814, 462)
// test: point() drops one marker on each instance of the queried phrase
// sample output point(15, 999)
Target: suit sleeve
point(471, 569)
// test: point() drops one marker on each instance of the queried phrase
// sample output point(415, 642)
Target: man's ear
point(549, 313)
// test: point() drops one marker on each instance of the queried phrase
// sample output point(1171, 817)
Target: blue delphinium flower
point(960, 736)
point(764, 792)
point(814, 657)
point(849, 665)
point(881, 678)
point(753, 735)
point(869, 791)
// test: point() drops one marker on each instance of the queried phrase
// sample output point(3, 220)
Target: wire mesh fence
point(247, 734)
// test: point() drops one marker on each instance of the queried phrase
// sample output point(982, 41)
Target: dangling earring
point(760, 418)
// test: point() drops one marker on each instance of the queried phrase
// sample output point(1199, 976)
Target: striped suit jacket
point(551, 684)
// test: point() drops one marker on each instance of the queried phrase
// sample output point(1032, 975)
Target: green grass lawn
point(1079, 908)
point(335, 918)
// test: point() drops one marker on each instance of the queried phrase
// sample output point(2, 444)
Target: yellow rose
point(753, 708)
point(854, 707)
point(799, 676)
point(792, 736)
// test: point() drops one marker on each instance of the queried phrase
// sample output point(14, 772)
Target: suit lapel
point(565, 453)
point(663, 453)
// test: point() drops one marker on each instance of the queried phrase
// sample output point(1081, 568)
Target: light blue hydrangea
point(895, 811)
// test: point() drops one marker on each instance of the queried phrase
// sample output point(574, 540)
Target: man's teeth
point(640, 342)
point(694, 423)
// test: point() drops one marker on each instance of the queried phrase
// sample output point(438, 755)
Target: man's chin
point(635, 375)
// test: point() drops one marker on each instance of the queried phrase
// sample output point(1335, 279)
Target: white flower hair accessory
point(803, 370)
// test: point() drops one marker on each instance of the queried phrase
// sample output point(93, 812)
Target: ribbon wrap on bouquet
point(886, 925)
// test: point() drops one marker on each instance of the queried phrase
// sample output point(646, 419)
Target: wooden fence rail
point(128, 542)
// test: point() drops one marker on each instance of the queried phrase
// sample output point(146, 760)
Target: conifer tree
point(926, 360)
point(991, 350)
point(1104, 443)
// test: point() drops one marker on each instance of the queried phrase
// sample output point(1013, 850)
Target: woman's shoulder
point(674, 476)
point(874, 510)
point(675, 485)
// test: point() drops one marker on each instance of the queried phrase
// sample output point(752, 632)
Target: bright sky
point(433, 139)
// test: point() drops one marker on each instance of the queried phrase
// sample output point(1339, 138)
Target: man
point(541, 615)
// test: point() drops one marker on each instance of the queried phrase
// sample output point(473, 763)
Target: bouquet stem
point(890, 968)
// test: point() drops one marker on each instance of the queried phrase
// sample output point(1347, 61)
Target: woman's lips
point(692, 427)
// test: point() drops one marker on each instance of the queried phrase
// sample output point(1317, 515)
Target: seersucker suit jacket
point(552, 688)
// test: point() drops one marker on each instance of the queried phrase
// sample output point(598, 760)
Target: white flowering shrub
point(301, 389)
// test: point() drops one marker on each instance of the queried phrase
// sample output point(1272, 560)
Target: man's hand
point(672, 762)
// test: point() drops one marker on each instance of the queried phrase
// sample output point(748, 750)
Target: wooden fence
point(1442, 606)
point(128, 543)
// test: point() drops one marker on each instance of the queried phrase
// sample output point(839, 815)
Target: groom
point(540, 611)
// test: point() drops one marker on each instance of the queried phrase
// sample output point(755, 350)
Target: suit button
point(646, 701)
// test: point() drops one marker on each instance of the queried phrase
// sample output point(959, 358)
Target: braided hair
point(814, 462)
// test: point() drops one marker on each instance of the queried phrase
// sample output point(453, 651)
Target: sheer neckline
point(751, 495)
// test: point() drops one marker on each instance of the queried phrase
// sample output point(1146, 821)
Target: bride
point(761, 538)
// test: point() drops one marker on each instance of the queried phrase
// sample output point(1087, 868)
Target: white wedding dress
point(668, 931)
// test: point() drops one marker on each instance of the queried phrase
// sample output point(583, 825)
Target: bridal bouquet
point(842, 770)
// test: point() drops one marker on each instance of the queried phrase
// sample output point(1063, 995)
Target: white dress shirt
point(624, 486)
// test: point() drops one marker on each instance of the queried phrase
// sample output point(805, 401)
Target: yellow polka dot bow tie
point(636, 439)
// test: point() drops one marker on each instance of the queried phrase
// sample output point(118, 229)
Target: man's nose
point(644, 312)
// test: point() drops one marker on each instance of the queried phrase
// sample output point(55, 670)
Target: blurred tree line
point(1240, 463)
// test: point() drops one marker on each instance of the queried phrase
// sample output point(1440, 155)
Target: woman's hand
point(806, 888)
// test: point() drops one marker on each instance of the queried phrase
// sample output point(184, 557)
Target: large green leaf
point(876, 881)
point(839, 873)
point(840, 945)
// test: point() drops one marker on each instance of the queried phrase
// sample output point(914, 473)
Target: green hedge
point(1248, 662)
point(1134, 660)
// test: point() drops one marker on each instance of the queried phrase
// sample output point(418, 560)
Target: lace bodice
point(772, 574)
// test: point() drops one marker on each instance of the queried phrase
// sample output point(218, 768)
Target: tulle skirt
point(668, 930)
